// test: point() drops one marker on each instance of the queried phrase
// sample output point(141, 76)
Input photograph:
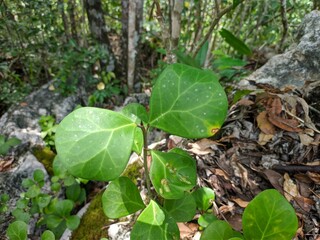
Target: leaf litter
point(269, 140)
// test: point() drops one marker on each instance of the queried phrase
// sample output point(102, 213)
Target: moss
point(92, 223)
point(46, 157)
point(133, 171)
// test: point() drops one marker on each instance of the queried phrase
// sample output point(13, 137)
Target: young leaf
point(63, 208)
point(21, 215)
point(44, 200)
point(137, 110)
point(186, 59)
point(188, 102)
point(53, 221)
point(33, 191)
point(183, 209)
point(47, 235)
point(172, 174)
point(154, 223)
point(38, 175)
point(138, 141)
point(269, 216)
point(121, 198)
point(235, 42)
point(202, 54)
point(205, 219)
point(219, 230)
point(95, 143)
point(72, 222)
point(204, 197)
point(17, 231)
point(73, 192)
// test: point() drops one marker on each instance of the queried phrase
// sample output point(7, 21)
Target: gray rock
point(300, 63)
point(21, 121)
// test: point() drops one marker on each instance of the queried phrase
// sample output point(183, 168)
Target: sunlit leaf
point(17, 231)
point(188, 102)
point(95, 143)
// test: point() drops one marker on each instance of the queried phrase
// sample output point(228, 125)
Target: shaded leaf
point(204, 197)
point(47, 235)
point(17, 231)
point(235, 42)
point(202, 54)
point(121, 198)
point(154, 223)
point(172, 173)
point(269, 216)
point(219, 230)
point(73, 222)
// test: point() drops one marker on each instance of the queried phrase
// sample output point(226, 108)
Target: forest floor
point(269, 140)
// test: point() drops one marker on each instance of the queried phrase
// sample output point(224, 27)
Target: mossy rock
point(133, 171)
point(45, 156)
point(93, 223)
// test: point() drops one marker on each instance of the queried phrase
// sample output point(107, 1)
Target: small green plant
point(48, 129)
point(54, 214)
point(96, 144)
point(6, 144)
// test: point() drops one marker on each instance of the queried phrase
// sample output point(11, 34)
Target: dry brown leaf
point(304, 203)
point(305, 139)
point(235, 220)
point(264, 138)
point(290, 188)
point(187, 230)
point(290, 125)
point(202, 147)
point(264, 124)
point(240, 202)
point(276, 105)
point(227, 208)
point(5, 164)
point(274, 178)
point(245, 102)
point(314, 177)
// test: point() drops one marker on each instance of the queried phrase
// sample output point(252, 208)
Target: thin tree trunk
point(99, 32)
point(73, 22)
point(65, 20)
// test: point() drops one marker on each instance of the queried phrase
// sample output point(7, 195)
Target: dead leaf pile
point(269, 140)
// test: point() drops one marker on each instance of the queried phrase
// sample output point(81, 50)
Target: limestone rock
point(300, 63)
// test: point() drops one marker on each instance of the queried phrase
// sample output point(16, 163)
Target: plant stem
point(145, 160)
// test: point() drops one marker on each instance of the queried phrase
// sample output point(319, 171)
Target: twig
point(296, 168)
point(284, 20)
point(213, 25)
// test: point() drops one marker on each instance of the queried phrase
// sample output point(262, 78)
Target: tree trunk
point(99, 31)
point(132, 16)
point(65, 20)
point(73, 22)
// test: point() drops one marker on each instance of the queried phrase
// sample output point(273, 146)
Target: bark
point(65, 20)
point(132, 16)
point(99, 31)
point(73, 22)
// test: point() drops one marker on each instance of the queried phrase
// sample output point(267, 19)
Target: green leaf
point(38, 175)
point(223, 63)
point(172, 174)
point(269, 216)
point(17, 231)
point(235, 42)
point(58, 167)
point(204, 197)
point(4, 198)
point(73, 192)
point(202, 54)
point(219, 230)
point(154, 223)
point(188, 102)
point(44, 201)
point(33, 191)
point(205, 219)
point(186, 59)
point(27, 183)
point(53, 221)
point(136, 111)
point(47, 235)
point(73, 222)
point(63, 208)
point(138, 141)
point(183, 209)
point(55, 186)
point(121, 198)
point(13, 141)
point(21, 215)
point(95, 143)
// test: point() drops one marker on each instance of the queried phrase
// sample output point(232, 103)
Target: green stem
point(145, 161)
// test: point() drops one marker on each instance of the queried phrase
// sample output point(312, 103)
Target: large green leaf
point(188, 102)
point(121, 198)
point(183, 209)
point(154, 223)
point(172, 174)
point(269, 216)
point(235, 42)
point(95, 143)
